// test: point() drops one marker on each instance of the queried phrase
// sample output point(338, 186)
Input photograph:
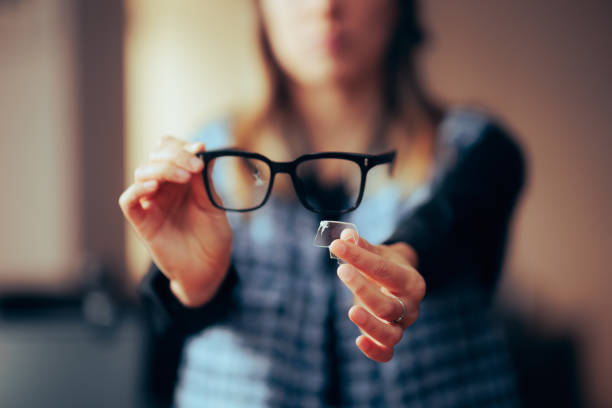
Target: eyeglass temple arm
point(382, 159)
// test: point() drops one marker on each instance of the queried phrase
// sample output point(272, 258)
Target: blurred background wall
point(543, 67)
point(61, 123)
point(38, 125)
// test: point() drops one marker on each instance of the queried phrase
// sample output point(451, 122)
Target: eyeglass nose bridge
point(284, 167)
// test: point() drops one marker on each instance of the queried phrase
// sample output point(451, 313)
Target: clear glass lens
point(329, 231)
point(240, 183)
point(330, 184)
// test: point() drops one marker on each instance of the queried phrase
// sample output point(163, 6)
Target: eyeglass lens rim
point(365, 162)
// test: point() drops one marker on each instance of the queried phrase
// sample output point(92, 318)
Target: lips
point(334, 42)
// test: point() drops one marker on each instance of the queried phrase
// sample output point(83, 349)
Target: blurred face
point(322, 41)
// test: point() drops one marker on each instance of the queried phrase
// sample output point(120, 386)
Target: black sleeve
point(166, 313)
point(464, 220)
point(169, 323)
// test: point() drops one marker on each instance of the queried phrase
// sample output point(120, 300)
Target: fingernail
point(194, 162)
point(358, 315)
point(150, 185)
point(182, 174)
point(345, 272)
point(338, 247)
point(349, 237)
point(360, 342)
point(194, 147)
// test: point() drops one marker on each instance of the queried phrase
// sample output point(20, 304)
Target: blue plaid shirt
point(284, 336)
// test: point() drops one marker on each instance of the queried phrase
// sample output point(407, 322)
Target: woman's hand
point(189, 239)
point(379, 275)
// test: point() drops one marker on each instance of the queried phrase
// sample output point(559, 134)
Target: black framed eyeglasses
point(329, 182)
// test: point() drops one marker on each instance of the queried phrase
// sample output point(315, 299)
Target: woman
point(259, 313)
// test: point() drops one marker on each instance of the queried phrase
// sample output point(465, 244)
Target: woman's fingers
point(385, 307)
point(180, 154)
point(176, 153)
point(384, 333)
point(349, 234)
point(182, 159)
point(193, 148)
point(129, 201)
point(384, 281)
point(396, 278)
point(376, 352)
point(175, 160)
point(173, 163)
point(162, 171)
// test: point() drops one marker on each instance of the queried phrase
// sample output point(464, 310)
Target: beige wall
point(542, 66)
point(38, 119)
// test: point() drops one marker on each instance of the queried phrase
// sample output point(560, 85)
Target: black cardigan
point(463, 221)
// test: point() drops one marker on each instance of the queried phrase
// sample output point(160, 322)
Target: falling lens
point(239, 183)
point(330, 184)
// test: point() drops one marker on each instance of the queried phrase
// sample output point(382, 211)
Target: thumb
point(351, 235)
point(199, 188)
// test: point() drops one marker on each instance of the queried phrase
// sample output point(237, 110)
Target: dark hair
point(406, 39)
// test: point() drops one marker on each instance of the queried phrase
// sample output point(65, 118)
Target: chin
point(328, 74)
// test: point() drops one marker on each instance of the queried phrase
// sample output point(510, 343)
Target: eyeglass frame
point(365, 162)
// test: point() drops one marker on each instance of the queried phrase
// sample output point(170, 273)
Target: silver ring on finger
point(404, 311)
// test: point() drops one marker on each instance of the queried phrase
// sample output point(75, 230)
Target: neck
point(338, 116)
